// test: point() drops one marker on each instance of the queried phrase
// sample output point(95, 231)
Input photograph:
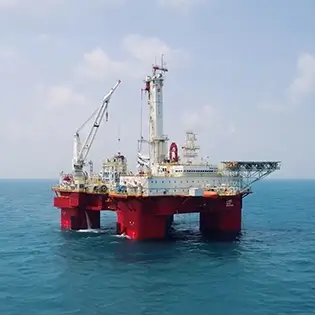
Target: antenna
point(141, 115)
point(160, 67)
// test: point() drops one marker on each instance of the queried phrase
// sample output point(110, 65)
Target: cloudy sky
point(241, 74)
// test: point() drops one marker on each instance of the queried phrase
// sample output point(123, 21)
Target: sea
point(268, 270)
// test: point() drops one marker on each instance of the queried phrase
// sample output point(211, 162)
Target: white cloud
point(147, 49)
point(63, 96)
point(208, 119)
point(97, 64)
point(214, 127)
point(48, 4)
point(4, 4)
point(21, 4)
point(7, 53)
point(54, 110)
point(11, 62)
point(304, 84)
point(140, 50)
point(43, 37)
point(301, 87)
point(183, 6)
point(273, 106)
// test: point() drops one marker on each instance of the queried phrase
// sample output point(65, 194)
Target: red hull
point(142, 218)
point(76, 206)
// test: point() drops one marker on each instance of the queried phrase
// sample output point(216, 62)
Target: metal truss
point(249, 171)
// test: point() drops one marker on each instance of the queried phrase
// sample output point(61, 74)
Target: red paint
point(150, 217)
point(143, 218)
point(225, 216)
point(74, 207)
point(173, 152)
point(75, 219)
point(147, 86)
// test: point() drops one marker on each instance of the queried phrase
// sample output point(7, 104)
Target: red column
point(137, 220)
point(224, 216)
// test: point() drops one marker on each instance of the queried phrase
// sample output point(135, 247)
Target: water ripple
point(269, 270)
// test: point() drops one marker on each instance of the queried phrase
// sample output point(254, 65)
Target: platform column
point(223, 218)
point(74, 214)
point(169, 222)
point(137, 220)
point(76, 219)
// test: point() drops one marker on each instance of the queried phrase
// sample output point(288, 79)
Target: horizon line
point(51, 179)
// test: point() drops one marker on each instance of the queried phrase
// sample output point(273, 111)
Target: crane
point(80, 152)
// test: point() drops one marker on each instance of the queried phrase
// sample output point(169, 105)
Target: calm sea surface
point(270, 270)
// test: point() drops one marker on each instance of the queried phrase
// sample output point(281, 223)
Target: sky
point(241, 75)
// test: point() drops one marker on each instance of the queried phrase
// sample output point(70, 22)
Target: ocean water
point(269, 270)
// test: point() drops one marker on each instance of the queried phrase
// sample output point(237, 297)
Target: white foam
point(123, 235)
point(90, 231)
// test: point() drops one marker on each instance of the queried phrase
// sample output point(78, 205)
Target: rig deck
point(143, 217)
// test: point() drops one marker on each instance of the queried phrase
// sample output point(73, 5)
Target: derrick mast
point(157, 140)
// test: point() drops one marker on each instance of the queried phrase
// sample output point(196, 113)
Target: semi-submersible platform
point(165, 183)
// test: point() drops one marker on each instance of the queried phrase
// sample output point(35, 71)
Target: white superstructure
point(113, 169)
point(176, 178)
point(162, 172)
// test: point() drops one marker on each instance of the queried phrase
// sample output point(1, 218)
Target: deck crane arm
point(81, 151)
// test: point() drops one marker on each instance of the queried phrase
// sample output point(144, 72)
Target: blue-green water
point(270, 270)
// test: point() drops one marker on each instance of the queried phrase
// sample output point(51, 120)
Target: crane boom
point(81, 151)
